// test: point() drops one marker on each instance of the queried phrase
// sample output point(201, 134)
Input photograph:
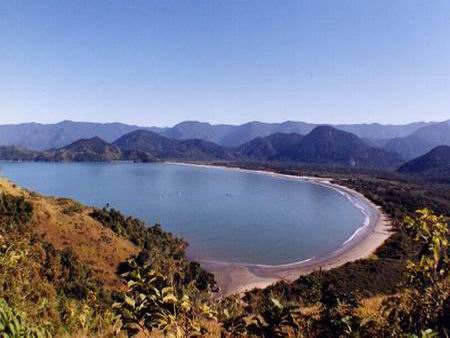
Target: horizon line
point(219, 124)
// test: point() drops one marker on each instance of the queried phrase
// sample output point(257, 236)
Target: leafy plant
point(14, 324)
point(337, 313)
point(422, 306)
point(276, 320)
point(432, 231)
point(150, 303)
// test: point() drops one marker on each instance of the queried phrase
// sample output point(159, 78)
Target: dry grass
point(370, 307)
point(94, 244)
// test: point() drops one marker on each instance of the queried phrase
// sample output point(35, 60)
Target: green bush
point(14, 210)
point(14, 324)
point(151, 302)
point(161, 249)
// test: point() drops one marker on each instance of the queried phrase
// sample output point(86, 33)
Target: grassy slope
point(59, 268)
point(65, 224)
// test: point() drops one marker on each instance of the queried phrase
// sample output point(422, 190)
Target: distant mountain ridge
point(232, 136)
point(84, 150)
point(16, 153)
point(163, 148)
point(325, 145)
point(36, 136)
point(438, 157)
point(434, 164)
point(266, 148)
point(421, 141)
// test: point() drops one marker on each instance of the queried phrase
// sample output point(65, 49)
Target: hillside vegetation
point(163, 148)
point(60, 267)
point(326, 145)
point(71, 270)
point(15, 153)
point(94, 149)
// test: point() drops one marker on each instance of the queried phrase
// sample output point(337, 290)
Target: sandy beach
point(237, 278)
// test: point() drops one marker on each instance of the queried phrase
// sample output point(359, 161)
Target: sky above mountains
point(161, 62)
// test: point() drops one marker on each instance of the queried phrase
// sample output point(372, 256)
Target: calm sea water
point(226, 215)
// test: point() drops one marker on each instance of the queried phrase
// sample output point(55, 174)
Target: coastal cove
point(344, 225)
point(239, 278)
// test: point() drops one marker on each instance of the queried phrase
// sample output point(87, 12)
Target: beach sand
point(237, 278)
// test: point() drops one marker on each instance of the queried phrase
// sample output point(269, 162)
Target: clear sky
point(162, 62)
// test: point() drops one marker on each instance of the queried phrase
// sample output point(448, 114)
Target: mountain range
point(433, 165)
point(324, 145)
point(230, 135)
point(84, 150)
point(269, 147)
point(35, 136)
point(163, 148)
point(421, 141)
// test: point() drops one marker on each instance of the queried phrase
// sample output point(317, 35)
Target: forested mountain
point(140, 146)
point(164, 148)
point(433, 165)
point(36, 136)
point(15, 153)
point(265, 148)
point(421, 141)
point(197, 130)
point(93, 149)
point(248, 131)
point(326, 145)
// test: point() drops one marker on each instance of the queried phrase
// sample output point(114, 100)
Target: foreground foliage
point(14, 324)
point(44, 291)
point(48, 292)
point(152, 302)
point(424, 304)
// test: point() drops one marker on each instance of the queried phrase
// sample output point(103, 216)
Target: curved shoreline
point(241, 277)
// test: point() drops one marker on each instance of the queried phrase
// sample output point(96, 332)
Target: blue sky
point(161, 62)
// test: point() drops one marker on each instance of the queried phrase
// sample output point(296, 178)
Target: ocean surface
point(225, 215)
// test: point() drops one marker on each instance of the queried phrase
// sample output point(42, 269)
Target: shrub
point(152, 303)
point(14, 324)
point(161, 249)
point(424, 303)
point(14, 210)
